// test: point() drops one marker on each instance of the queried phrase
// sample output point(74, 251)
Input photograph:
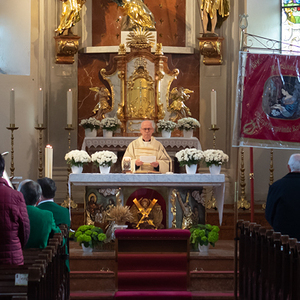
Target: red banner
point(270, 113)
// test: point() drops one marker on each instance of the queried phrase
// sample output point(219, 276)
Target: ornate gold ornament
point(211, 49)
point(140, 38)
point(173, 208)
point(188, 215)
point(66, 47)
point(102, 107)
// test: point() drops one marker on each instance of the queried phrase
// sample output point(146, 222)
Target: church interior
point(170, 62)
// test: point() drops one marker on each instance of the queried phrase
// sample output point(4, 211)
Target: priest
point(146, 153)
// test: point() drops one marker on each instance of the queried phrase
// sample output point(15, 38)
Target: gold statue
point(137, 14)
point(178, 108)
point(102, 107)
point(69, 16)
point(210, 8)
point(188, 215)
point(147, 214)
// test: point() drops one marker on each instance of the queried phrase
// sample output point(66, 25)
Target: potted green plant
point(89, 237)
point(204, 235)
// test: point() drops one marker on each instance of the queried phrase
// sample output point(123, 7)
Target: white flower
point(188, 124)
point(215, 157)
point(77, 158)
point(90, 123)
point(110, 124)
point(104, 158)
point(189, 156)
point(165, 125)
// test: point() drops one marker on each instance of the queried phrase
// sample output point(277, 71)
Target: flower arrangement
point(77, 158)
point(89, 235)
point(214, 157)
point(90, 123)
point(189, 156)
point(165, 125)
point(188, 124)
point(119, 214)
point(111, 124)
point(104, 158)
point(204, 235)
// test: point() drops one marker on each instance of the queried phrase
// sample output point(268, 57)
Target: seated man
point(42, 224)
point(61, 214)
point(147, 145)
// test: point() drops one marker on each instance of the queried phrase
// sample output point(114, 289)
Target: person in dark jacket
point(42, 224)
point(283, 201)
point(14, 223)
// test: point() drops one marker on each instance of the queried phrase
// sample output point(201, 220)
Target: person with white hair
point(283, 201)
point(147, 146)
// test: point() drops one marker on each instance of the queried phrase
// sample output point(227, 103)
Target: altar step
point(212, 276)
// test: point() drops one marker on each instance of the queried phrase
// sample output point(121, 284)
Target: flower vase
point(104, 169)
point(191, 169)
point(203, 249)
point(188, 133)
point(215, 169)
point(76, 170)
point(166, 134)
point(86, 249)
point(90, 133)
point(107, 133)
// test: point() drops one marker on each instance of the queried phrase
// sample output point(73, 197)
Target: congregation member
point(147, 145)
point(283, 201)
point(61, 214)
point(14, 222)
point(42, 224)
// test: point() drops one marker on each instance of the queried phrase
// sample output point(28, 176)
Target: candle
point(48, 161)
point(69, 107)
point(41, 107)
point(12, 107)
point(213, 107)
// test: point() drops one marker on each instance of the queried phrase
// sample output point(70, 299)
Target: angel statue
point(215, 10)
point(102, 107)
point(69, 16)
point(188, 215)
point(178, 108)
point(137, 14)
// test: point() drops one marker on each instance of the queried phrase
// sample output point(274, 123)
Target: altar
point(171, 182)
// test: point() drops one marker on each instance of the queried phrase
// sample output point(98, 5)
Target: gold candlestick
point(40, 128)
point(243, 203)
point(68, 202)
point(12, 127)
point(212, 204)
point(214, 128)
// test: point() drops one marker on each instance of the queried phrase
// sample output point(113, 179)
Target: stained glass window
point(291, 25)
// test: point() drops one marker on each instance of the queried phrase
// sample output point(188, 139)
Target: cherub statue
point(102, 107)
point(217, 11)
point(69, 16)
point(178, 108)
point(137, 14)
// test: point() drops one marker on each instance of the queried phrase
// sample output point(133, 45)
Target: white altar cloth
point(151, 180)
point(123, 142)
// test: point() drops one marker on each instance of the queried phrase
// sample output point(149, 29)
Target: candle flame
point(49, 146)
point(70, 90)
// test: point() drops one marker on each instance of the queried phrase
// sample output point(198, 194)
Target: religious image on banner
point(268, 101)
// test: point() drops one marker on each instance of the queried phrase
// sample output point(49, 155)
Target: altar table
point(152, 180)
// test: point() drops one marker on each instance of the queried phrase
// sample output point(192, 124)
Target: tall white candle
point(213, 107)
point(41, 107)
point(69, 107)
point(48, 161)
point(12, 107)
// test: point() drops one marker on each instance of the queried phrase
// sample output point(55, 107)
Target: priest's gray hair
point(151, 121)
point(294, 162)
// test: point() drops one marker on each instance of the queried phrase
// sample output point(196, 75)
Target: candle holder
point(68, 202)
point(214, 128)
point(243, 203)
point(40, 128)
point(12, 127)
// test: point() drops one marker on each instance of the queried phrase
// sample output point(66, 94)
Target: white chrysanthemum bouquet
point(214, 157)
point(90, 123)
point(111, 124)
point(165, 125)
point(104, 158)
point(77, 158)
point(188, 124)
point(189, 156)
